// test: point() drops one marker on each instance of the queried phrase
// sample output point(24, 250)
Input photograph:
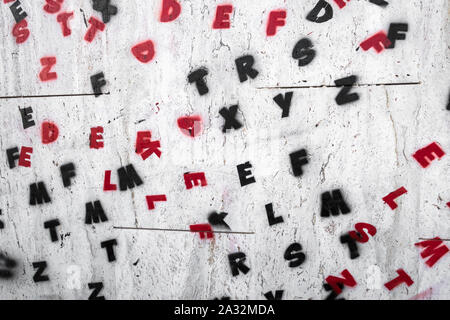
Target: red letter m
point(434, 248)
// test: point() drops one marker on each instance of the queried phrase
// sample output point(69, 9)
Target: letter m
point(252, 311)
point(95, 213)
point(128, 177)
point(434, 248)
point(38, 194)
point(333, 202)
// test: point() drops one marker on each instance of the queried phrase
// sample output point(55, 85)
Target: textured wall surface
point(363, 148)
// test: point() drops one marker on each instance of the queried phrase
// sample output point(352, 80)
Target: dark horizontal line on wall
point(53, 95)
point(355, 85)
point(183, 230)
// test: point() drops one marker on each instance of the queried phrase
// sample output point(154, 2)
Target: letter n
point(334, 282)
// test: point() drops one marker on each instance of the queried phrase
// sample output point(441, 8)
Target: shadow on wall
point(7, 266)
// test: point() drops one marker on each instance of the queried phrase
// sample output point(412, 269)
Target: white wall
point(364, 148)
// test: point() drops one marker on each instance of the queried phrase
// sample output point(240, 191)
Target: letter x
point(230, 118)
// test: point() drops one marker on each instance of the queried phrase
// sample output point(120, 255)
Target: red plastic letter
point(222, 20)
point(21, 32)
point(363, 237)
point(63, 18)
point(92, 31)
point(171, 9)
point(96, 138)
point(389, 199)
point(194, 179)
point(45, 74)
point(348, 280)
point(107, 186)
point(434, 248)
point(341, 3)
point(152, 199)
point(50, 132)
point(402, 278)
point(375, 42)
point(425, 155)
point(145, 146)
point(190, 126)
point(202, 229)
point(144, 51)
point(53, 6)
point(24, 158)
point(276, 19)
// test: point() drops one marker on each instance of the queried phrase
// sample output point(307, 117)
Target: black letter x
point(230, 118)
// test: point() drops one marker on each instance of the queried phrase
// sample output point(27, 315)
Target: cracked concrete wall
point(363, 148)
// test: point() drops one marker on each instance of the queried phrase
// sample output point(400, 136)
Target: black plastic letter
point(218, 219)
point(245, 69)
point(380, 3)
point(105, 8)
point(271, 215)
point(394, 33)
point(97, 286)
point(303, 52)
point(333, 203)
point(95, 213)
point(67, 172)
point(128, 178)
point(284, 102)
point(40, 266)
point(245, 174)
point(17, 11)
point(237, 263)
point(278, 295)
point(38, 194)
point(13, 155)
point(97, 82)
point(313, 14)
point(343, 96)
point(294, 252)
point(27, 118)
point(52, 224)
point(229, 116)
point(298, 159)
point(352, 245)
point(109, 245)
point(198, 76)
